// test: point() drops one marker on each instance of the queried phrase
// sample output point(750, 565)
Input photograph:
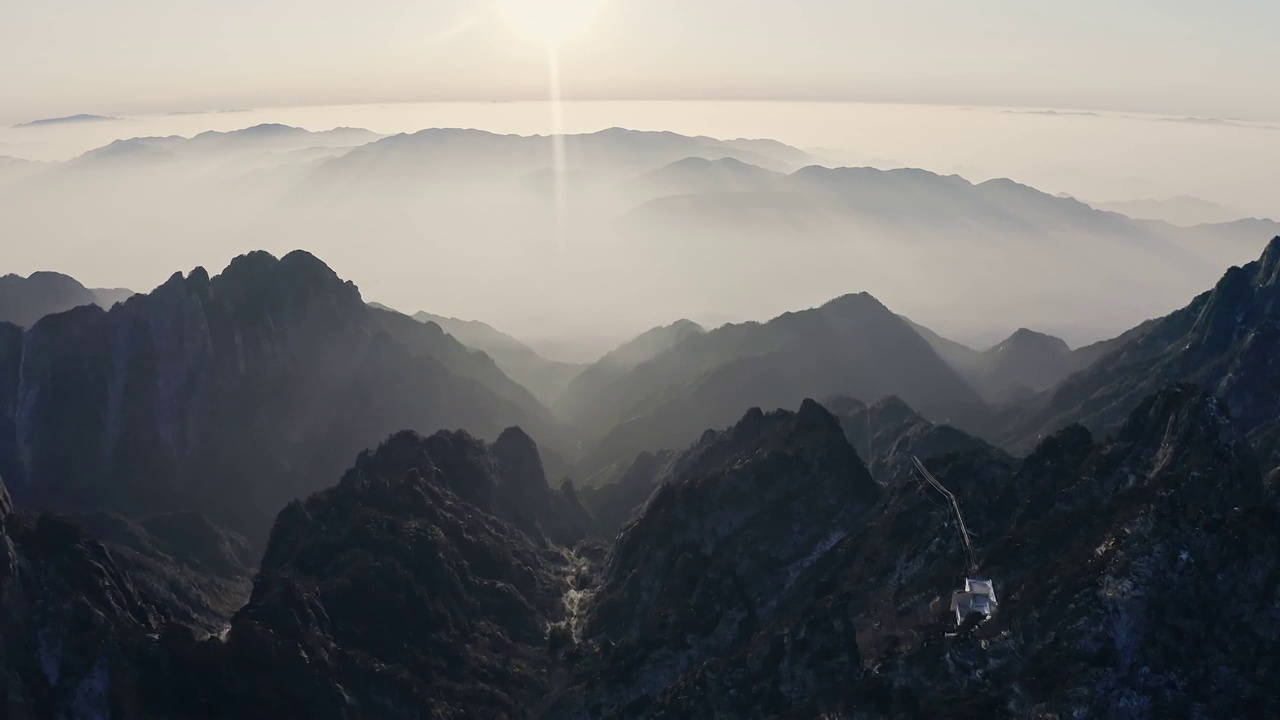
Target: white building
point(978, 596)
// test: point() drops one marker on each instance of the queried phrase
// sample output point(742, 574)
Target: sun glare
point(551, 21)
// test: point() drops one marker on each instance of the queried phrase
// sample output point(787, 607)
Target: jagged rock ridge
point(1226, 340)
point(231, 395)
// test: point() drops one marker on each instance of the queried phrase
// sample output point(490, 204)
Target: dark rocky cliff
point(231, 395)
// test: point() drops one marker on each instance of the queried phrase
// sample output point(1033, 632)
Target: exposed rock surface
point(406, 591)
point(231, 395)
point(1119, 566)
point(616, 501)
point(767, 576)
point(1227, 341)
point(585, 392)
point(80, 598)
point(889, 433)
point(706, 573)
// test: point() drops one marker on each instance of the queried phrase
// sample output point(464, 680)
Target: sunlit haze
point(1159, 101)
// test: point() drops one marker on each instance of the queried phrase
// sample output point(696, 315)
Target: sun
point(551, 21)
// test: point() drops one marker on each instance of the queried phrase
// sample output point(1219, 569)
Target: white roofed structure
point(977, 598)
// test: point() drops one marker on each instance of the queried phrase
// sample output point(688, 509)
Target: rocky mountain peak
point(395, 588)
point(744, 515)
point(1027, 337)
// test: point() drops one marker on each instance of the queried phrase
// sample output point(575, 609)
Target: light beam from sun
point(557, 147)
point(552, 22)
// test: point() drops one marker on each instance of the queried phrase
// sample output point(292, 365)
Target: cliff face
point(1118, 565)
point(232, 395)
point(408, 590)
point(717, 558)
point(81, 599)
point(1226, 341)
point(767, 576)
point(888, 434)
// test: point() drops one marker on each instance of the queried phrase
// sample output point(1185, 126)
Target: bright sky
point(1193, 57)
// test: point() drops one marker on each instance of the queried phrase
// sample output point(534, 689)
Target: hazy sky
point(1169, 56)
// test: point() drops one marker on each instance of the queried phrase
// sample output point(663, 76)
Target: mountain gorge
point(768, 575)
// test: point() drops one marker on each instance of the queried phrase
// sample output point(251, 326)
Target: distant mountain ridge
point(67, 120)
point(546, 379)
point(577, 400)
point(24, 300)
point(730, 217)
point(1024, 363)
point(852, 345)
point(1184, 210)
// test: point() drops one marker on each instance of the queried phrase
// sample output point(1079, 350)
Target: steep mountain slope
point(232, 395)
point(767, 576)
point(614, 501)
point(1098, 551)
point(578, 401)
point(706, 564)
point(78, 599)
point(1026, 360)
point(1226, 340)
point(852, 345)
point(408, 590)
point(546, 379)
point(888, 433)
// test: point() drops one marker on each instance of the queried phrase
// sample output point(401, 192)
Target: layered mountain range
point(230, 395)
point(852, 345)
point(716, 557)
point(1226, 341)
point(24, 300)
point(650, 225)
point(767, 575)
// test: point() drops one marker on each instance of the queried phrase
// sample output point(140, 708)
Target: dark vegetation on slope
point(761, 571)
point(231, 395)
point(1227, 341)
